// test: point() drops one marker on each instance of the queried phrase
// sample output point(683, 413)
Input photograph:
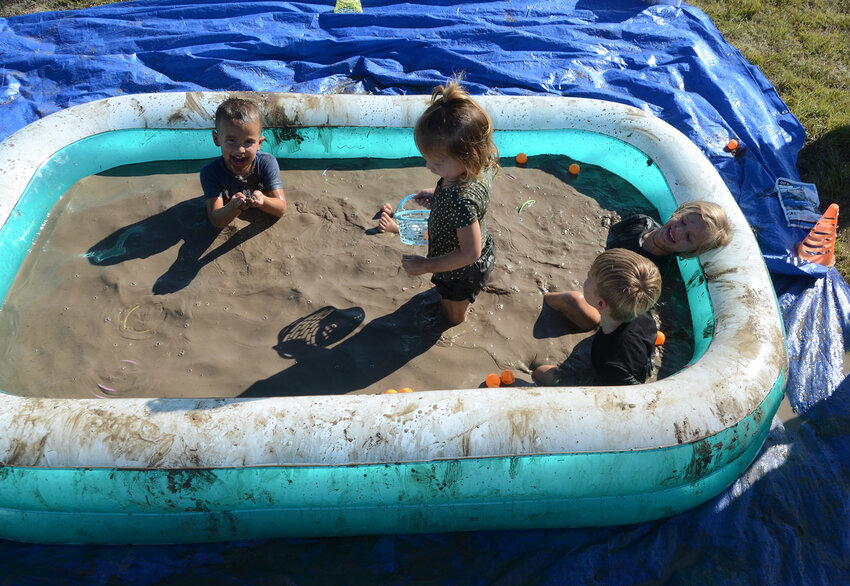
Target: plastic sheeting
point(784, 521)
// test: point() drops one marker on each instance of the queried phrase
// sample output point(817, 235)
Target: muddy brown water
point(129, 292)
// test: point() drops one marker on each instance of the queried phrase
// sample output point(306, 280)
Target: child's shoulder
point(488, 174)
point(635, 222)
point(643, 326)
point(477, 187)
point(267, 162)
point(214, 167)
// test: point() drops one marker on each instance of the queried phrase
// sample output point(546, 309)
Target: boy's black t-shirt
point(624, 357)
point(628, 234)
point(264, 176)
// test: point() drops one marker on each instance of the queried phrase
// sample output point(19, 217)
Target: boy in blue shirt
point(622, 286)
point(243, 177)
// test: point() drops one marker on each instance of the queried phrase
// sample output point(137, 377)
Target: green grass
point(802, 47)
point(16, 7)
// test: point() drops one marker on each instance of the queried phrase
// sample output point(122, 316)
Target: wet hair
point(717, 225)
point(629, 282)
point(238, 110)
point(455, 125)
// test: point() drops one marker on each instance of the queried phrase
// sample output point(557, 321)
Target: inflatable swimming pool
point(177, 470)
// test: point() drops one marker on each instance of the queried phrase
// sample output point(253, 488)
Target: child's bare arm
point(467, 252)
point(424, 197)
point(548, 375)
point(272, 203)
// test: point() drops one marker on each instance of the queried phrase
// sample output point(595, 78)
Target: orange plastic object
point(492, 380)
point(390, 392)
point(406, 390)
point(732, 144)
point(819, 245)
point(507, 377)
point(574, 169)
point(521, 158)
point(660, 338)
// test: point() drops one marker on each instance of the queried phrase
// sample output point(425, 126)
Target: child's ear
point(262, 138)
point(601, 305)
point(215, 138)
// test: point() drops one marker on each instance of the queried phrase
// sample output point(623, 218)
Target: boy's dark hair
point(455, 125)
point(238, 110)
point(629, 282)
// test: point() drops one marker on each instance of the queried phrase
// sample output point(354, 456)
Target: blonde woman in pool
point(455, 136)
point(694, 228)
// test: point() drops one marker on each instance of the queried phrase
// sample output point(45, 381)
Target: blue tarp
point(785, 521)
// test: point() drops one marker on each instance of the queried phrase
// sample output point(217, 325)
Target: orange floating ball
point(406, 390)
point(507, 377)
point(732, 145)
point(660, 338)
point(390, 392)
point(522, 159)
point(492, 380)
point(574, 169)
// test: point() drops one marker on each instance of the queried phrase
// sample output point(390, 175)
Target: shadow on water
point(577, 367)
point(609, 190)
point(551, 324)
point(187, 222)
point(320, 329)
point(380, 348)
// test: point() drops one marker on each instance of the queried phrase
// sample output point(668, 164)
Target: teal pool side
point(110, 505)
point(105, 151)
point(106, 505)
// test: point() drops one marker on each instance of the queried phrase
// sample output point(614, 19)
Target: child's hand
point(240, 200)
point(424, 198)
point(257, 199)
point(414, 264)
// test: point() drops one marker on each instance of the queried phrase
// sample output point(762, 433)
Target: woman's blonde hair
point(629, 282)
point(455, 125)
point(717, 225)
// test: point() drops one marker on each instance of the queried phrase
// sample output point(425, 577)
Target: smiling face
point(239, 142)
point(681, 234)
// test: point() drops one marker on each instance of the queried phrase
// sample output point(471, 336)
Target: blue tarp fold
point(784, 521)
